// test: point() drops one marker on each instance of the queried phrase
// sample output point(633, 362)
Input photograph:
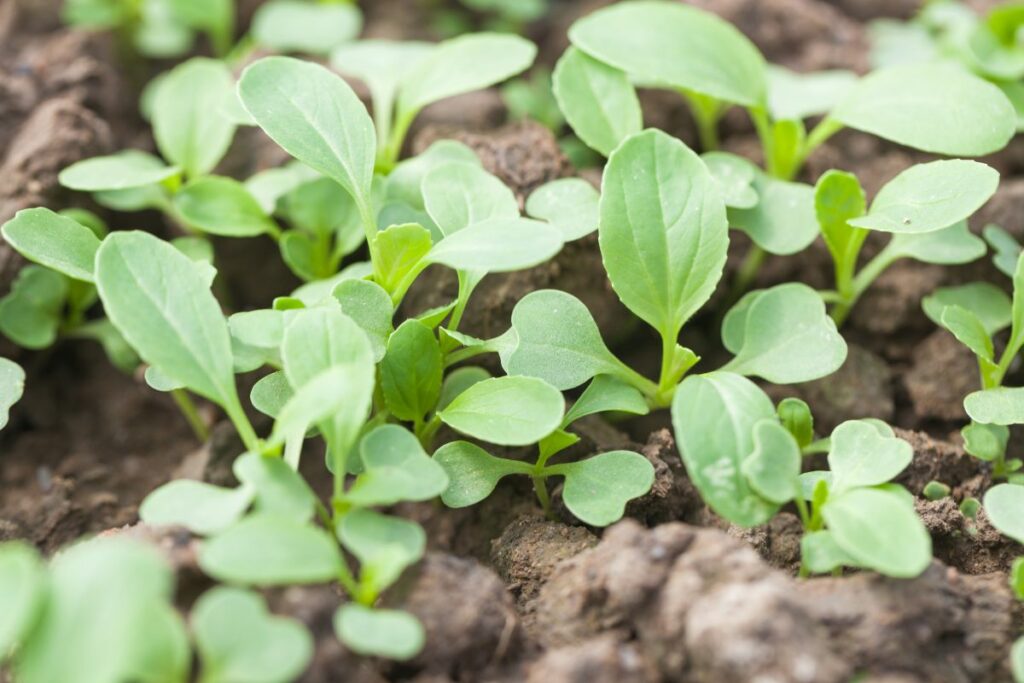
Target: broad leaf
point(410, 374)
point(498, 245)
point(735, 177)
point(783, 220)
point(54, 241)
point(999, 406)
point(459, 195)
point(202, 508)
point(820, 553)
point(370, 307)
point(796, 96)
point(473, 472)
point(122, 171)
point(1004, 505)
point(279, 490)
point(606, 393)
point(860, 456)
point(969, 330)
point(295, 26)
point(379, 632)
point(569, 204)
point(984, 441)
point(12, 386)
point(949, 246)
point(457, 381)
point(385, 546)
point(396, 468)
point(400, 253)
point(222, 206)
point(597, 489)
point(270, 394)
point(31, 313)
point(508, 411)
point(773, 467)
point(989, 303)
point(404, 184)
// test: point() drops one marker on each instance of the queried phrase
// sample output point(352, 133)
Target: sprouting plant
point(404, 77)
point(749, 465)
point(673, 46)
point(925, 208)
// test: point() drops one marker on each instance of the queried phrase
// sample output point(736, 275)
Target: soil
point(672, 593)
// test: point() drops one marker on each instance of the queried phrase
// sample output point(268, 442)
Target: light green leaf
point(400, 252)
point(12, 386)
point(930, 196)
point(783, 220)
point(969, 330)
point(279, 489)
point(162, 304)
point(796, 96)
point(989, 303)
point(370, 307)
point(606, 393)
point(202, 508)
point(676, 45)
point(879, 530)
point(949, 246)
point(473, 472)
point(266, 550)
point(1017, 660)
point(1007, 249)
point(598, 488)
point(569, 204)
point(999, 406)
point(396, 468)
point(713, 416)
point(322, 207)
point(459, 195)
point(498, 245)
point(986, 442)
point(270, 185)
point(295, 26)
point(598, 100)
point(663, 230)
point(860, 456)
point(54, 241)
point(379, 632)
point(773, 467)
point(188, 125)
point(820, 553)
point(222, 206)
point(457, 381)
point(314, 115)
point(508, 411)
point(385, 546)
point(1004, 505)
point(239, 640)
point(31, 313)
point(938, 108)
point(270, 394)
point(734, 176)
point(784, 335)
point(22, 591)
point(404, 184)
point(122, 171)
point(410, 374)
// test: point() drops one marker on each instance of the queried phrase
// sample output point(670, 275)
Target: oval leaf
point(597, 489)
point(509, 411)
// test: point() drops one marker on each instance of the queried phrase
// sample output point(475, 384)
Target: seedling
point(748, 466)
point(925, 208)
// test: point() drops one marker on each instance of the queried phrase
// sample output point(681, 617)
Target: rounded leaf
point(509, 411)
point(597, 489)
point(999, 406)
point(222, 206)
point(122, 171)
point(379, 632)
point(1004, 505)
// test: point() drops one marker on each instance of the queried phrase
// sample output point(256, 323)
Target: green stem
point(861, 282)
point(388, 157)
point(188, 409)
point(293, 450)
point(541, 489)
point(746, 274)
point(243, 426)
point(706, 113)
point(801, 508)
point(456, 357)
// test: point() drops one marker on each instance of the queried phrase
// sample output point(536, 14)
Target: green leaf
point(239, 640)
point(314, 115)
point(663, 230)
point(713, 416)
point(385, 546)
point(295, 26)
point(931, 196)
point(557, 340)
point(22, 591)
point(270, 394)
point(987, 442)
point(400, 252)
point(498, 245)
point(796, 417)
point(266, 550)
point(999, 406)
point(379, 632)
point(461, 65)
point(55, 241)
point(949, 246)
point(569, 204)
point(297, 251)
point(989, 303)
point(606, 394)
point(598, 100)
point(396, 468)
point(370, 307)
point(188, 125)
point(459, 195)
point(734, 176)
point(30, 315)
point(222, 206)
point(773, 467)
point(473, 472)
point(861, 456)
point(796, 96)
point(457, 381)
point(404, 184)
point(1007, 249)
point(879, 530)
point(322, 207)
point(122, 171)
point(508, 411)
point(938, 108)
point(12, 386)
point(410, 374)
point(270, 186)
point(162, 304)
point(597, 489)
point(1017, 660)
point(784, 335)
point(838, 197)
point(969, 330)
point(820, 553)
point(783, 220)
point(279, 489)
point(677, 46)
point(202, 508)
point(1004, 505)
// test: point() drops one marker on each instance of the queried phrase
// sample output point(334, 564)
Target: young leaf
point(1004, 505)
point(984, 441)
point(820, 553)
point(270, 394)
point(279, 490)
point(54, 241)
point(396, 468)
point(30, 315)
point(202, 508)
point(773, 468)
point(222, 206)
point(663, 230)
point(998, 406)
point(473, 472)
point(12, 386)
point(861, 456)
point(379, 632)
point(385, 546)
point(879, 530)
point(713, 416)
point(498, 245)
point(783, 220)
point(294, 26)
point(265, 550)
point(597, 489)
point(508, 411)
point(569, 204)
point(796, 417)
point(735, 177)
point(935, 107)
point(162, 304)
point(784, 335)
point(370, 307)
point(122, 171)
point(989, 303)
point(606, 394)
point(410, 374)
point(796, 96)
point(948, 246)
point(400, 252)
point(239, 640)
point(969, 330)
point(404, 184)
point(675, 45)
point(187, 124)
point(1007, 249)
point(598, 100)
point(460, 195)
point(322, 207)
point(457, 381)
point(22, 591)
point(931, 196)
point(314, 115)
